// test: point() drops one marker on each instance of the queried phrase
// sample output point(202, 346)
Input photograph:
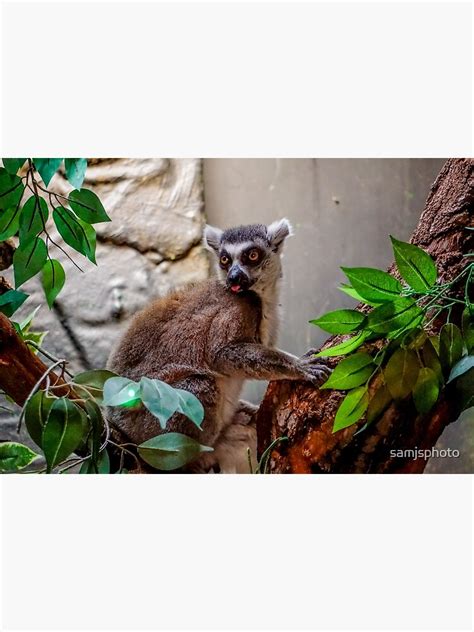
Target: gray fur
point(277, 232)
point(212, 237)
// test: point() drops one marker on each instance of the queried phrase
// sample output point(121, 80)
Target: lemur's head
point(248, 256)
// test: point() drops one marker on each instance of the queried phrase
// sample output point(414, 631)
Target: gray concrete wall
point(342, 212)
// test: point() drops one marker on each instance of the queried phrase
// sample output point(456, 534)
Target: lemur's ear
point(277, 232)
point(212, 237)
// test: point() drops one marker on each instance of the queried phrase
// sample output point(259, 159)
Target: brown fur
point(207, 318)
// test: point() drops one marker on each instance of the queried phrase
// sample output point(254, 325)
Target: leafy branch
point(65, 419)
point(61, 426)
point(26, 208)
point(416, 366)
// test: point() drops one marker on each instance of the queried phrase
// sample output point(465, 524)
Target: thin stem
point(466, 288)
point(35, 388)
point(434, 318)
point(36, 186)
point(249, 458)
point(76, 462)
point(48, 355)
point(266, 454)
point(120, 447)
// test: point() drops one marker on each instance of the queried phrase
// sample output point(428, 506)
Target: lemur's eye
point(224, 260)
point(254, 255)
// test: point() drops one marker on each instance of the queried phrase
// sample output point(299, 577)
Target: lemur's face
point(248, 256)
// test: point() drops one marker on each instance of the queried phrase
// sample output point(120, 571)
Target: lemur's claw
point(316, 371)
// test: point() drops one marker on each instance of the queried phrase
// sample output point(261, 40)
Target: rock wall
point(152, 244)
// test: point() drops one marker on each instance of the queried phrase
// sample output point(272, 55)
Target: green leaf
point(28, 260)
point(33, 218)
point(401, 373)
point(102, 467)
point(120, 391)
point(11, 301)
point(30, 336)
point(434, 339)
point(343, 348)
point(96, 423)
point(190, 406)
point(414, 339)
point(465, 364)
point(76, 233)
point(15, 456)
point(26, 322)
point(353, 293)
point(47, 167)
point(373, 285)
point(94, 382)
point(351, 409)
point(426, 390)
point(378, 404)
point(63, 431)
point(170, 451)
point(399, 335)
point(87, 206)
point(53, 280)
point(400, 314)
point(11, 190)
point(468, 330)
point(341, 321)
point(431, 360)
point(75, 171)
point(160, 399)
point(36, 415)
point(12, 165)
point(450, 346)
point(415, 265)
point(36, 337)
point(351, 372)
point(9, 222)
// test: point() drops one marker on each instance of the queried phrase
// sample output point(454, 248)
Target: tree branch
point(20, 368)
point(306, 415)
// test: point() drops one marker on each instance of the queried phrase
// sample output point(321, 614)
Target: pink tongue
point(235, 288)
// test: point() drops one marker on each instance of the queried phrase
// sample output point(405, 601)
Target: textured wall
point(152, 244)
point(343, 212)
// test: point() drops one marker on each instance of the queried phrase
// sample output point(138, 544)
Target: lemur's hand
point(315, 371)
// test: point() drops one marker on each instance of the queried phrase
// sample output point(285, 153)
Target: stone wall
point(152, 244)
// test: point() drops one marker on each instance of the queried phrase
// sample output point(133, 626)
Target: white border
point(249, 79)
point(229, 140)
point(237, 552)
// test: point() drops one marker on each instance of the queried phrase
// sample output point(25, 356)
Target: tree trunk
point(305, 415)
point(20, 368)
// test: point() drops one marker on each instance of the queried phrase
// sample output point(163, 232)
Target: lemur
point(208, 339)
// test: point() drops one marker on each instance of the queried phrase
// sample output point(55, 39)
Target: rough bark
point(305, 415)
point(20, 368)
point(7, 250)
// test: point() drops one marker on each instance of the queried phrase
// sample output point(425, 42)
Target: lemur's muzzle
point(237, 280)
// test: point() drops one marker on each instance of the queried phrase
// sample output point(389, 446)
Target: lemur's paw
point(318, 374)
point(315, 371)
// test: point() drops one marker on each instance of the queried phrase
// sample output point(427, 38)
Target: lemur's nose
point(237, 279)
